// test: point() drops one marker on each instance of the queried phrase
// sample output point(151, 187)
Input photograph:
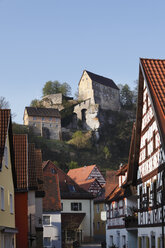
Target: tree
point(56, 87)
point(36, 103)
point(126, 96)
point(3, 103)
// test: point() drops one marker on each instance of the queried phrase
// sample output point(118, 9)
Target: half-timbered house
point(149, 160)
point(121, 229)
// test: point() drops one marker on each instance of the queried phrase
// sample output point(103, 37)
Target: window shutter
point(147, 242)
point(140, 242)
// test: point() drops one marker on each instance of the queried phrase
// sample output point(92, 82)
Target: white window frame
point(2, 198)
point(78, 205)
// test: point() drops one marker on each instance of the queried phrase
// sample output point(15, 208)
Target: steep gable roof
point(102, 80)
point(111, 182)
point(21, 161)
point(6, 129)
point(4, 124)
point(69, 189)
point(42, 112)
point(153, 72)
point(32, 178)
point(81, 173)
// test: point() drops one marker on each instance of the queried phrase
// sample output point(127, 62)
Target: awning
point(71, 220)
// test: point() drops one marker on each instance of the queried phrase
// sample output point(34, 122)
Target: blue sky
point(42, 40)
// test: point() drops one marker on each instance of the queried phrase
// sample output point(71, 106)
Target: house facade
point(7, 182)
point(150, 153)
point(28, 193)
point(45, 122)
point(121, 229)
point(20, 145)
point(77, 208)
point(51, 207)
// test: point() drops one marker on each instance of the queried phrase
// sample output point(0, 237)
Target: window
point(155, 193)
point(43, 118)
point(47, 241)
point(124, 241)
point(111, 240)
point(6, 156)
point(46, 220)
point(61, 206)
point(147, 105)
point(76, 206)
point(146, 148)
point(141, 196)
point(11, 203)
point(2, 199)
point(34, 118)
point(71, 188)
point(154, 141)
point(148, 195)
point(50, 118)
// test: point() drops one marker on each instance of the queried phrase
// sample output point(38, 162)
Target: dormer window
point(71, 188)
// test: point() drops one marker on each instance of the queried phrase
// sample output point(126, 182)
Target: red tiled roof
point(43, 112)
point(4, 123)
point(69, 189)
point(32, 179)
point(111, 182)
point(154, 73)
point(21, 162)
point(52, 198)
point(87, 183)
point(116, 194)
point(81, 174)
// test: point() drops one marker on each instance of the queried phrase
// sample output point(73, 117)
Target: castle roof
point(102, 80)
point(42, 112)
